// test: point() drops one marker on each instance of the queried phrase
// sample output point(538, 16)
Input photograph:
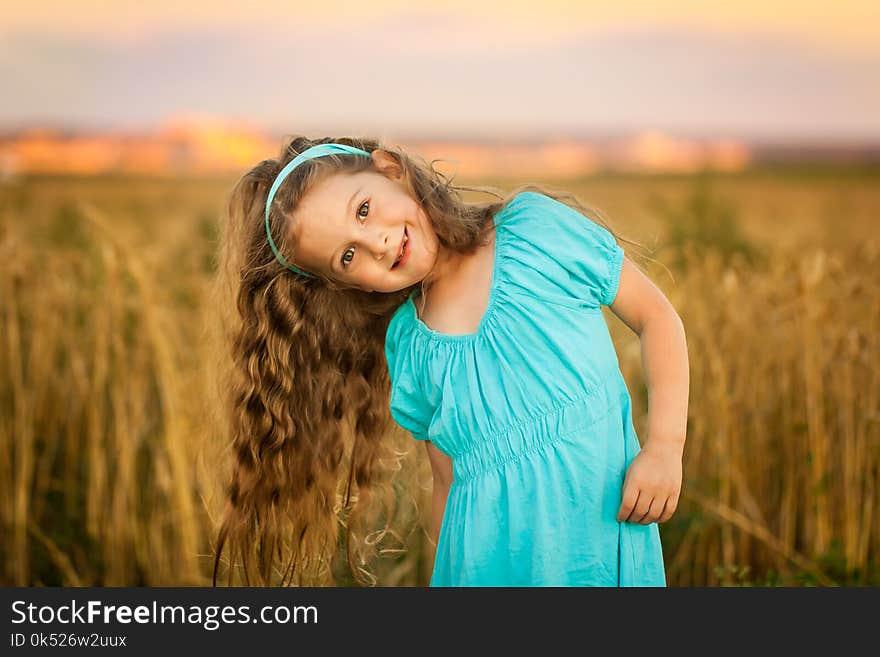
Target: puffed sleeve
point(566, 252)
point(408, 404)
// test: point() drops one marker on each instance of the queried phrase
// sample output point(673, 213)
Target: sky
point(744, 69)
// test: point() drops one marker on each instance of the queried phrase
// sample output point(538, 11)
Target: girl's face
point(352, 227)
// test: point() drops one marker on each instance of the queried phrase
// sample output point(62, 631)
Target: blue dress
point(534, 412)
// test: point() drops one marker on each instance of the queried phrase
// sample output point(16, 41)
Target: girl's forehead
point(319, 219)
point(331, 197)
point(329, 194)
point(314, 241)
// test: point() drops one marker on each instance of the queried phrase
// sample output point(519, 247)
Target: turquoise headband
point(308, 154)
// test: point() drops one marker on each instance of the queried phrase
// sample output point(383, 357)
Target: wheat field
point(112, 456)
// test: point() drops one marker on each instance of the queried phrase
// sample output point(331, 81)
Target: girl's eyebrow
point(351, 200)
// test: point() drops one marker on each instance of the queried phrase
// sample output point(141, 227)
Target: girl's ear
point(386, 163)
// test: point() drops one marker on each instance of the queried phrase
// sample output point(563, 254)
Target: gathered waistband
point(514, 441)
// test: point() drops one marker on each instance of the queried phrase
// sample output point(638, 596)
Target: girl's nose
point(381, 246)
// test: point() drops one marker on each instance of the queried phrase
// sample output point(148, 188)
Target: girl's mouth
point(405, 255)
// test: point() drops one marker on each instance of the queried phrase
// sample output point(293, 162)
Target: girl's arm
point(441, 468)
point(653, 481)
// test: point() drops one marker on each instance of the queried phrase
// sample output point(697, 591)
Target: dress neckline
point(493, 291)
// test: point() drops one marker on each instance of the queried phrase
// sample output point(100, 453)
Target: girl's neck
point(447, 265)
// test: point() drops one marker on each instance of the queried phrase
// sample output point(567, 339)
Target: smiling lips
point(402, 253)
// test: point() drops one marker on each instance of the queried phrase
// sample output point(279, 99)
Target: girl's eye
point(347, 261)
point(367, 204)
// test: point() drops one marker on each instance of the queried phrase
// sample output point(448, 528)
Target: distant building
point(206, 146)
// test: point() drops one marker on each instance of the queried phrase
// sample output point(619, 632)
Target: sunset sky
point(750, 69)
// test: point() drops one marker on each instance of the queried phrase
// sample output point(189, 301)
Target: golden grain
point(113, 451)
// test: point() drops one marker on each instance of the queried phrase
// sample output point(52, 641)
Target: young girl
point(367, 290)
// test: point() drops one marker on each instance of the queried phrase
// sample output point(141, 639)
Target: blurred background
point(738, 142)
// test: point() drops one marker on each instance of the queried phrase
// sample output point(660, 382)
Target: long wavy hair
point(305, 383)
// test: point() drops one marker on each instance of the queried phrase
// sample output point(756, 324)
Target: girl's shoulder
point(533, 211)
point(550, 246)
point(517, 209)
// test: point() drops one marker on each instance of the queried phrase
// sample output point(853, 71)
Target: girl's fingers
point(630, 497)
point(668, 509)
point(641, 508)
point(661, 517)
point(648, 517)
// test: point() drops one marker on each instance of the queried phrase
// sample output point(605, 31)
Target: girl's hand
point(652, 485)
